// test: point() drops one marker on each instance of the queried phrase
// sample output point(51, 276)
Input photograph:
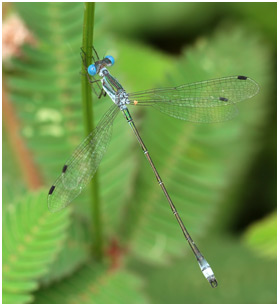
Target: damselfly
point(208, 101)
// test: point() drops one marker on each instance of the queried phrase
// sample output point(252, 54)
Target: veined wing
point(207, 101)
point(83, 164)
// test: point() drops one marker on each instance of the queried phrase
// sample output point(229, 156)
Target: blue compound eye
point(92, 70)
point(111, 59)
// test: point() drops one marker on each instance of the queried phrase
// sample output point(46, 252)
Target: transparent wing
point(207, 101)
point(200, 114)
point(81, 167)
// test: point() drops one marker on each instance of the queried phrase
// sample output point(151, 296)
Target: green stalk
point(87, 103)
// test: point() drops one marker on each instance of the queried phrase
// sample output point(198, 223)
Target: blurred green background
point(221, 177)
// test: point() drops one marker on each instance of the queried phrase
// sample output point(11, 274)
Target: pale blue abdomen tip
point(91, 70)
point(111, 59)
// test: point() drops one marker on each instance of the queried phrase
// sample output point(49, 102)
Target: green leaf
point(94, 284)
point(75, 253)
point(32, 238)
point(262, 236)
point(45, 85)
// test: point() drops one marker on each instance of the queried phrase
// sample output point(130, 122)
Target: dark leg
point(94, 51)
point(97, 89)
point(83, 57)
point(103, 93)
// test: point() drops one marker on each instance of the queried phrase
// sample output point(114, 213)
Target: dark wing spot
point(51, 189)
point(223, 99)
point(241, 77)
point(64, 168)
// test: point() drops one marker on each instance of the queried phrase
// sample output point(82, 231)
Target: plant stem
point(87, 102)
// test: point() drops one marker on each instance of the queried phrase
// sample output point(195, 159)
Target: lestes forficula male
point(208, 101)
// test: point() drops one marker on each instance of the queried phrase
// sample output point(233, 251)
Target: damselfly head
point(98, 65)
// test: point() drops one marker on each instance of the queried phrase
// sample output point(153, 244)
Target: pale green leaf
point(262, 236)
